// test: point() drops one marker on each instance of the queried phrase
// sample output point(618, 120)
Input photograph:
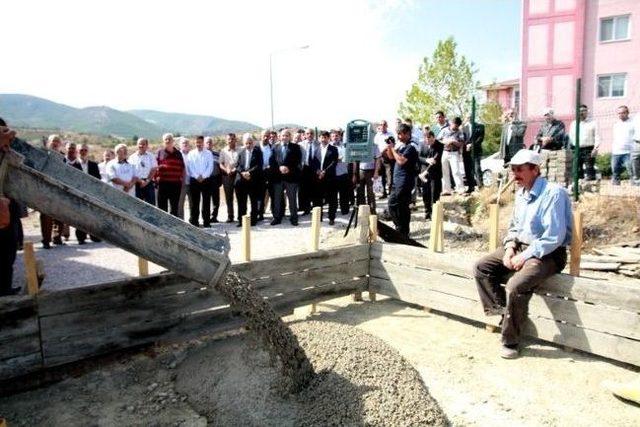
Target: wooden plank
point(626, 253)
point(19, 336)
point(30, 268)
point(596, 317)
point(614, 347)
point(609, 258)
point(576, 244)
point(21, 365)
point(304, 261)
point(600, 266)
point(364, 212)
point(373, 228)
point(610, 293)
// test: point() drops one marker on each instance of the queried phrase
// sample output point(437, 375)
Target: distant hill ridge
point(33, 112)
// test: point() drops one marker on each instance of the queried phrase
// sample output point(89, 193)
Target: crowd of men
point(552, 135)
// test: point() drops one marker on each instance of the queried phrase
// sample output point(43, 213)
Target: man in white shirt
point(185, 147)
point(146, 166)
point(623, 134)
point(229, 166)
point(266, 189)
point(386, 169)
point(121, 174)
point(200, 167)
point(635, 154)
point(107, 156)
point(589, 142)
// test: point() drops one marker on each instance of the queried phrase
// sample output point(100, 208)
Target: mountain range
point(26, 111)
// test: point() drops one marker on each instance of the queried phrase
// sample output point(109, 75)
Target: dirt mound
point(360, 381)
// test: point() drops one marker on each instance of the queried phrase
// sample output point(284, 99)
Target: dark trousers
point(200, 195)
point(399, 202)
point(387, 176)
point(306, 190)
point(279, 189)
point(431, 190)
point(228, 184)
point(467, 161)
point(586, 163)
point(49, 226)
point(146, 193)
point(216, 182)
point(82, 236)
point(512, 301)
point(326, 192)
point(477, 168)
point(169, 196)
point(9, 245)
point(261, 192)
point(365, 184)
point(343, 184)
point(244, 190)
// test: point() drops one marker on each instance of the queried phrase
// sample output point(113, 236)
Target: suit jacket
point(255, 165)
point(93, 169)
point(555, 130)
point(510, 146)
point(435, 152)
point(290, 157)
point(329, 164)
point(75, 164)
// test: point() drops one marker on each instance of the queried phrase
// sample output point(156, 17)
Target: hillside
point(192, 124)
point(27, 111)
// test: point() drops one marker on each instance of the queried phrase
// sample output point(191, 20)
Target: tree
point(491, 115)
point(445, 82)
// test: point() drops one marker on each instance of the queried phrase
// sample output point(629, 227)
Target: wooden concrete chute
point(82, 201)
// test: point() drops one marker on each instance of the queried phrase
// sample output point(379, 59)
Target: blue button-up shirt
point(542, 218)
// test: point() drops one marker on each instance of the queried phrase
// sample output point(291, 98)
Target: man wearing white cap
point(551, 135)
point(533, 250)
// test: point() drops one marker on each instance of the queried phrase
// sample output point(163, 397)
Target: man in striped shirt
point(171, 171)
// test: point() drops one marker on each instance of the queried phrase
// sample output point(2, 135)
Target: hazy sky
point(212, 57)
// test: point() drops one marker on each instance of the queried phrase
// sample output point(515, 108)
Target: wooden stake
point(373, 228)
point(494, 226)
point(364, 212)
point(30, 268)
point(490, 328)
point(246, 238)
point(433, 234)
point(314, 309)
point(315, 228)
point(3, 422)
point(576, 244)
point(440, 231)
point(143, 267)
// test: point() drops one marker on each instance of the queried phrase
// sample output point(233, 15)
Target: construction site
point(170, 325)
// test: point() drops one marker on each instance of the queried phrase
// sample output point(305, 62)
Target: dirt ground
point(457, 360)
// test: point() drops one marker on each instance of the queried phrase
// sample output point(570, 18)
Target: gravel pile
point(359, 381)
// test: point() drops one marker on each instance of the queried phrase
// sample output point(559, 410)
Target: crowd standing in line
point(295, 169)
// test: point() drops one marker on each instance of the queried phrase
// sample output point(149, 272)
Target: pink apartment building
point(506, 93)
point(596, 40)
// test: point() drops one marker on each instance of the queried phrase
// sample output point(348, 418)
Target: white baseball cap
point(526, 156)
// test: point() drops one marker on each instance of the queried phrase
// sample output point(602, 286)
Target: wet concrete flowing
point(280, 342)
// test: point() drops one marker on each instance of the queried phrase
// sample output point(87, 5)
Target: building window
point(516, 100)
point(614, 28)
point(612, 85)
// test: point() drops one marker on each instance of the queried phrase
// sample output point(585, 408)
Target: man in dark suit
point(430, 158)
point(285, 168)
point(323, 166)
point(249, 178)
point(512, 137)
point(87, 166)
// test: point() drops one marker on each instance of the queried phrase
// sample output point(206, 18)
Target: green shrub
point(603, 162)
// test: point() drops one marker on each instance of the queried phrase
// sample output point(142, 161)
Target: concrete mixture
point(359, 381)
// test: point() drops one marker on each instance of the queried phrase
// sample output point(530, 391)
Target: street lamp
point(271, 73)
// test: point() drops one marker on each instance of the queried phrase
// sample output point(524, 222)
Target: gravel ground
point(360, 381)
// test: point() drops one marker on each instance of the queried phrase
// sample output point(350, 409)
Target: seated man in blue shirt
point(534, 249)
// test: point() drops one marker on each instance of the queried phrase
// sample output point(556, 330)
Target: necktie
point(310, 152)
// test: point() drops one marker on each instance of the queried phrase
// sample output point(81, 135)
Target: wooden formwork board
point(598, 317)
point(19, 336)
point(59, 327)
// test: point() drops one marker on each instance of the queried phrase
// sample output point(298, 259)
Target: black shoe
point(12, 291)
point(230, 220)
point(95, 239)
point(82, 242)
point(206, 226)
point(58, 242)
point(254, 223)
point(260, 217)
point(276, 222)
point(332, 221)
point(384, 196)
point(214, 220)
point(305, 213)
point(239, 224)
point(46, 245)
point(294, 222)
point(427, 216)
